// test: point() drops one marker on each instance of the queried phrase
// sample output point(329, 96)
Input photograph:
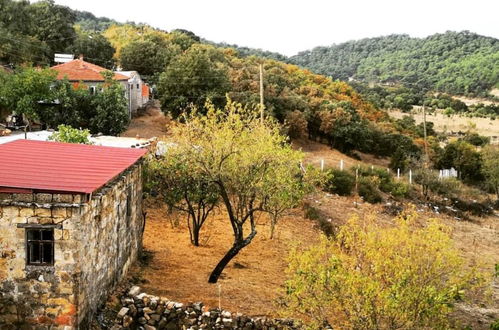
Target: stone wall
point(110, 238)
point(96, 238)
point(37, 294)
point(143, 311)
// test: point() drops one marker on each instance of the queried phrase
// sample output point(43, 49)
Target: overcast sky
point(292, 26)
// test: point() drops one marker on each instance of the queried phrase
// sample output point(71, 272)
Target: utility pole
point(261, 92)
point(424, 132)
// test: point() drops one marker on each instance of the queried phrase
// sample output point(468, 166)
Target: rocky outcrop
point(143, 311)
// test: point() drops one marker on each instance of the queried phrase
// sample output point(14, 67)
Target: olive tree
point(183, 187)
point(244, 157)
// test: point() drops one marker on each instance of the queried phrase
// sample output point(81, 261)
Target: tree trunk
point(195, 235)
point(234, 250)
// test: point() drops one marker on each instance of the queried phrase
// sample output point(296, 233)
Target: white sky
point(292, 26)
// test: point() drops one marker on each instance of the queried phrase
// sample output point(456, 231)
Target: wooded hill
point(452, 62)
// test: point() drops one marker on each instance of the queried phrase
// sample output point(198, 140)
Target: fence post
point(398, 173)
point(322, 164)
point(357, 179)
point(410, 176)
point(341, 164)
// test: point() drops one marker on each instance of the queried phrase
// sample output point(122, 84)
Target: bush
point(368, 189)
point(396, 188)
point(339, 182)
point(406, 276)
point(68, 134)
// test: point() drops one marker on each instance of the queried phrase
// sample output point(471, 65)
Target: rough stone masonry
point(147, 312)
point(96, 237)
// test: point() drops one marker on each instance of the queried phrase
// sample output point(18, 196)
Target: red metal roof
point(61, 167)
point(77, 70)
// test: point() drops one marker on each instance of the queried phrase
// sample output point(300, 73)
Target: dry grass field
point(455, 123)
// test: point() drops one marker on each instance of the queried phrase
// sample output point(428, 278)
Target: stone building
point(71, 225)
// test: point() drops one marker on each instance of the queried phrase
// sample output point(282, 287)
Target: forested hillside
point(452, 62)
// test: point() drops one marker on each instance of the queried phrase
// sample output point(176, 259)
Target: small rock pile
point(146, 312)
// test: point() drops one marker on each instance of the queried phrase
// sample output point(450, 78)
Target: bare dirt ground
point(152, 124)
point(250, 283)
point(315, 152)
point(484, 126)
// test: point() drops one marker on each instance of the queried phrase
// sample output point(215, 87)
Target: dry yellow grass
point(250, 283)
point(442, 123)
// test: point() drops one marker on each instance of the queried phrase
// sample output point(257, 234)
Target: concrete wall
point(95, 242)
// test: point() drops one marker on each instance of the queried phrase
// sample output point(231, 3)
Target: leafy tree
point(111, 108)
point(149, 56)
point(93, 46)
point(22, 91)
point(245, 157)
point(68, 134)
point(296, 124)
point(73, 105)
point(52, 24)
point(183, 187)
point(198, 74)
point(490, 166)
point(464, 158)
point(372, 277)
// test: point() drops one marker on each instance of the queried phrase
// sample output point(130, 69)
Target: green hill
point(452, 62)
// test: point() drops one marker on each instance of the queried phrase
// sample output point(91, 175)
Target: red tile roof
point(40, 166)
point(77, 70)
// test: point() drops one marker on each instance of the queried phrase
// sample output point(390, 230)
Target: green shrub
point(397, 189)
point(68, 134)
point(339, 182)
point(368, 189)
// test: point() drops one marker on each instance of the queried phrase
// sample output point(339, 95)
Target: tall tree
point(148, 57)
point(95, 47)
point(52, 24)
point(242, 156)
point(198, 74)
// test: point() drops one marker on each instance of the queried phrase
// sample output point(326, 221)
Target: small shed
point(70, 227)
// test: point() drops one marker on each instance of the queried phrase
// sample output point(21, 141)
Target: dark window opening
point(137, 86)
point(40, 247)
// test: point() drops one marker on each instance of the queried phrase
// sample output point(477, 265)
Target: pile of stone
point(143, 311)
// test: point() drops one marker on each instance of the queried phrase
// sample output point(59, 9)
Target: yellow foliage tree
point(372, 277)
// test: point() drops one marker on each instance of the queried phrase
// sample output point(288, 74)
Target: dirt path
point(152, 124)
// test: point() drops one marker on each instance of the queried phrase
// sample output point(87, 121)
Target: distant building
point(71, 226)
point(78, 71)
point(139, 91)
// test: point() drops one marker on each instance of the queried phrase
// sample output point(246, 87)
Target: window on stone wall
point(137, 86)
point(40, 246)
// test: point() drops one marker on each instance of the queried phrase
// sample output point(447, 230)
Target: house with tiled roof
point(81, 72)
